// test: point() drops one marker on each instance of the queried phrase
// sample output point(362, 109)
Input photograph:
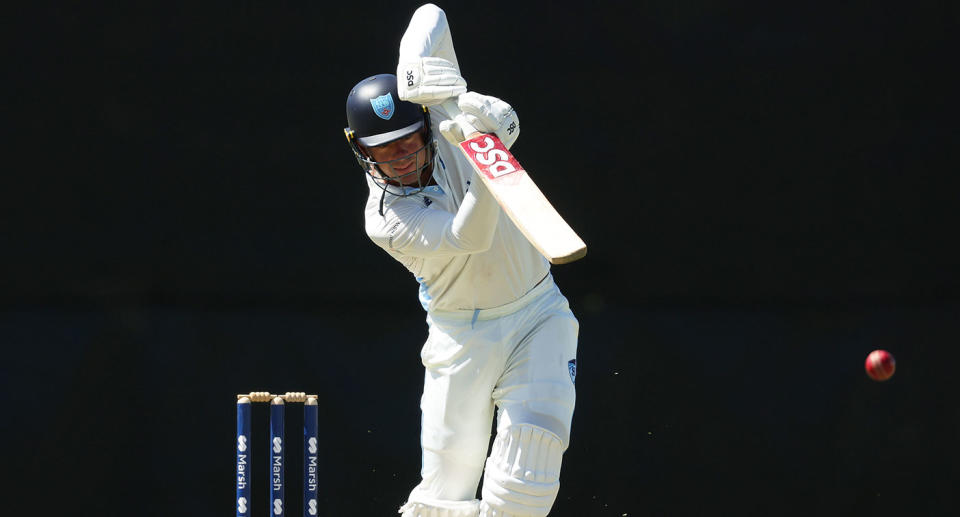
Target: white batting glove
point(485, 113)
point(429, 80)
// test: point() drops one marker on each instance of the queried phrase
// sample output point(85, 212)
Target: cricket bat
point(518, 195)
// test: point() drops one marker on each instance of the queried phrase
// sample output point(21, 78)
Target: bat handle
point(453, 110)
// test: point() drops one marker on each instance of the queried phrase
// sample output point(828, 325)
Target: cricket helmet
point(376, 116)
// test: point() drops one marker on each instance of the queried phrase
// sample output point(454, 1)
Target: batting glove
point(429, 81)
point(486, 114)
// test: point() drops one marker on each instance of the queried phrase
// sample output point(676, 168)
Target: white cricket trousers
point(519, 358)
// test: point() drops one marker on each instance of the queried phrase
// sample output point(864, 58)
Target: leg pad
point(522, 476)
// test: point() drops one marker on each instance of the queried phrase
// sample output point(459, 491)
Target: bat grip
point(453, 110)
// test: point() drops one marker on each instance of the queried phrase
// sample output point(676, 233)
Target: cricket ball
point(880, 365)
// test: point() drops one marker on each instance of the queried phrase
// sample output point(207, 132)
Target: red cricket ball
point(880, 365)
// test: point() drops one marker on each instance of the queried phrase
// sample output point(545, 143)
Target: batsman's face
point(402, 157)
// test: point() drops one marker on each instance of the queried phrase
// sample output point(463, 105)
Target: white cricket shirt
point(454, 237)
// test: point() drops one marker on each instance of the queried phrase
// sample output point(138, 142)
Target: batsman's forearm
point(409, 228)
point(427, 35)
point(476, 220)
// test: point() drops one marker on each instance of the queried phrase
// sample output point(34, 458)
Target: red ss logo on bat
point(490, 156)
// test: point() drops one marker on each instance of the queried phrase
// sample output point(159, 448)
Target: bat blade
point(522, 200)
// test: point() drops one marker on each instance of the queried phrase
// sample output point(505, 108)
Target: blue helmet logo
point(383, 106)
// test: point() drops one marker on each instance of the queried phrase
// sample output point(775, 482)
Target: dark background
point(768, 192)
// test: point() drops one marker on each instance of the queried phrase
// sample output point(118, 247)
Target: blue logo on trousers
point(572, 366)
